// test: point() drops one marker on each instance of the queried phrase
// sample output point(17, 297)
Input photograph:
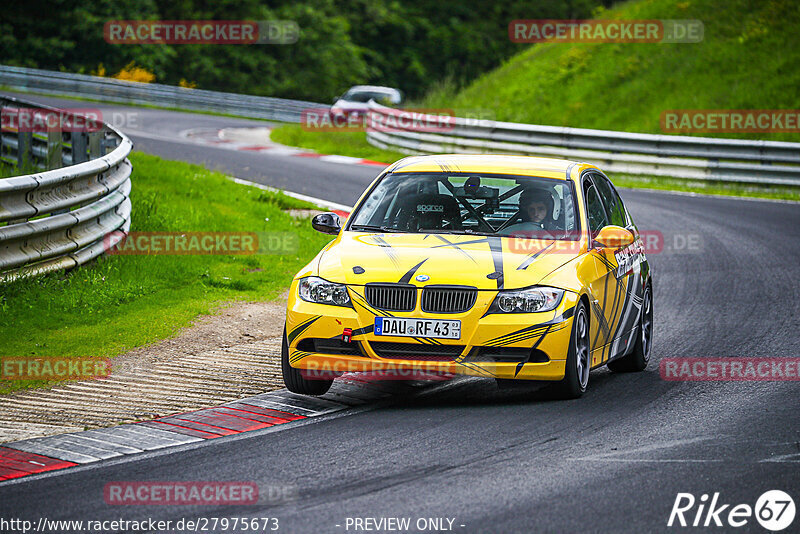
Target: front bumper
point(526, 346)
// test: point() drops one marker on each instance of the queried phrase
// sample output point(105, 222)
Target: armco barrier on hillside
point(59, 218)
point(697, 158)
point(111, 90)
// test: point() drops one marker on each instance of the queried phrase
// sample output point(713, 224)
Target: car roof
point(374, 88)
point(488, 163)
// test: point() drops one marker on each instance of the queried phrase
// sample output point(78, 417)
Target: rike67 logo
point(774, 510)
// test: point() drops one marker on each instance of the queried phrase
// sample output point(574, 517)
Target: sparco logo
point(774, 511)
point(425, 208)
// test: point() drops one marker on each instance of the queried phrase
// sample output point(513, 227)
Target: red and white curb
point(240, 139)
point(33, 456)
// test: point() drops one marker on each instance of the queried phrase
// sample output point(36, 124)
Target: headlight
point(313, 289)
point(534, 299)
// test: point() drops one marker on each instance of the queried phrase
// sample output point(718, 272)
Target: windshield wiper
point(373, 228)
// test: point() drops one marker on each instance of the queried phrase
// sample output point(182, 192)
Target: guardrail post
point(55, 156)
point(95, 146)
point(79, 148)
point(24, 155)
point(108, 144)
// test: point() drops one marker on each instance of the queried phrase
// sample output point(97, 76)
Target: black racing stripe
point(610, 266)
point(453, 244)
point(407, 277)
point(456, 246)
point(567, 313)
point(520, 337)
point(388, 249)
point(361, 301)
point(532, 257)
point(499, 338)
point(625, 305)
point(614, 324)
point(496, 246)
point(299, 329)
point(634, 301)
point(525, 337)
point(606, 329)
point(556, 320)
point(478, 369)
point(535, 345)
point(298, 355)
point(517, 332)
point(601, 320)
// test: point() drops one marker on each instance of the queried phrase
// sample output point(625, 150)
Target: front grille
point(392, 297)
point(444, 299)
point(416, 351)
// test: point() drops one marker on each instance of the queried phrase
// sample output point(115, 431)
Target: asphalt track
point(511, 460)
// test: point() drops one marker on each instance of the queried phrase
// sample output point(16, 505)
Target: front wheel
point(640, 355)
point(293, 378)
point(576, 373)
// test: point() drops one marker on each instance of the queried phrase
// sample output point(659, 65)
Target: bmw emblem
point(423, 278)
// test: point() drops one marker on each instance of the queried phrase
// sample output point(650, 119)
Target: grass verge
point(120, 302)
point(749, 58)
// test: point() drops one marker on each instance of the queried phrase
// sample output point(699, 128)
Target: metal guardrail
point(109, 89)
point(67, 215)
point(698, 158)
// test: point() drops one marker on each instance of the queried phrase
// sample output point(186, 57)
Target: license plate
point(407, 327)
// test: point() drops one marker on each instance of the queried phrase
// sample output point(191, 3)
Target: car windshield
point(366, 96)
point(470, 203)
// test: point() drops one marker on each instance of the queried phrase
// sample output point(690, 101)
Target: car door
point(629, 262)
point(607, 288)
point(619, 282)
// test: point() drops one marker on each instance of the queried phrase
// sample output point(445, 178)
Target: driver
point(536, 211)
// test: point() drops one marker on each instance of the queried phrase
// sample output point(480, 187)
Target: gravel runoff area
point(175, 375)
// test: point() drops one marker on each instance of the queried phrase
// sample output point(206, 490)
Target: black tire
point(294, 379)
point(576, 374)
point(637, 360)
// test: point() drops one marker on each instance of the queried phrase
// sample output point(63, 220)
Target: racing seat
point(429, 211)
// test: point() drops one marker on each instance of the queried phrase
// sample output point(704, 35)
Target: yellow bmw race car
point(510, 267)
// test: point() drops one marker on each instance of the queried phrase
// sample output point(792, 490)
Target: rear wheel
point(576, 374)
point(294, 380)
point(640, 355)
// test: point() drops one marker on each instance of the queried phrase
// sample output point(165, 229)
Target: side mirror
point(335, 99)
point(614, 237)
point(327, 223)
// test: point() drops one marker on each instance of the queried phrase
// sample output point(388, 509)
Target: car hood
point(424, 259)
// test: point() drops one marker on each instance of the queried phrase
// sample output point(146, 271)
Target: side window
point(611, 200)
point(594, 208)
